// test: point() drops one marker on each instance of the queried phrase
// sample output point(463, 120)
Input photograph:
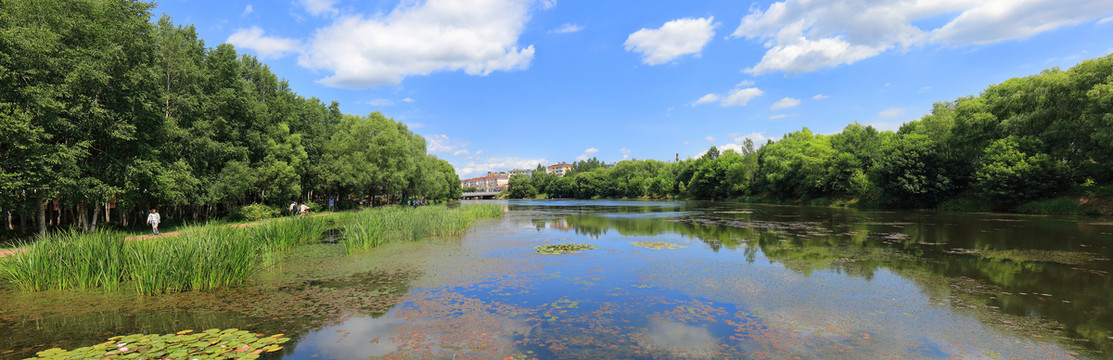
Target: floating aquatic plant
point(656, 245)
point(563, 248)
point(209, 344)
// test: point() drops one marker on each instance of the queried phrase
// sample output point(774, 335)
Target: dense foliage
point(1025, 140)
point(104, 114)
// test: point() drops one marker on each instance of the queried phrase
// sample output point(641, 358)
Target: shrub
point(255, 212)
point(1056, 206)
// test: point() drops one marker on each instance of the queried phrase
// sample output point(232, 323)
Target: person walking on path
point(304, 209)
point(293, 208)
point(154, 219)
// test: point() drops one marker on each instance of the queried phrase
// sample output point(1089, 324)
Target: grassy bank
point(208, 257)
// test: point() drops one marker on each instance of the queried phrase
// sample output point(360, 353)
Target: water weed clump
point(209, 344)
point(69, 260)
point(378, 226)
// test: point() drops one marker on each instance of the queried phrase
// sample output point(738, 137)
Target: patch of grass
point(656, 245)
point(1056, 206)
point(69, 260)
point(375, 227)
point(200, 260)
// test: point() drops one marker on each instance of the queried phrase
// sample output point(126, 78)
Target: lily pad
point(553, 249)
point(656, 245)
point(211, 344)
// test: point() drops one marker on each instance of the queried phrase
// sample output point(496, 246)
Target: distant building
point(487, 183)
point(559, 169)
point(525, 172)
point(498, 173)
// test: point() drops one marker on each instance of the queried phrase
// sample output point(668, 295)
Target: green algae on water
point(209, 344)
point(657, 245)
point(554, 249)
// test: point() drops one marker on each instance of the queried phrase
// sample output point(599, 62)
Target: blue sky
point(500, 84)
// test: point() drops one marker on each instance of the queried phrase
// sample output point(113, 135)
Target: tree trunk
point(8, 215)
point(124, 218)
point(82, 217)
point(107, 213)
point(96, 214)
point(41, 211)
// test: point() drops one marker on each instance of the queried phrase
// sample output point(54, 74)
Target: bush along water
point(199, 259)
point(373, 228)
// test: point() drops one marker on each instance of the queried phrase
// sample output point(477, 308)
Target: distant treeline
point(1024, 140)
point(104, 114)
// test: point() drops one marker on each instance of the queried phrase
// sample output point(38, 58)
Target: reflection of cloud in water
point(330, 344)
point(680, 339)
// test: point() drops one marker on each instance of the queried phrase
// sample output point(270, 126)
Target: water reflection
point(750, 282)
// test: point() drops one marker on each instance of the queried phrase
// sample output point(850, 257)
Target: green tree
point(1014, 171)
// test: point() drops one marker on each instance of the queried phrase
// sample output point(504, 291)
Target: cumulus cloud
point(706, 99)
point(785, 103)
point(408, 100)
point(318, 7)
point(819, 97)
point(264, 46)
point(803, 36)
point(480, 166)
point(587, 154)
point(441, 143)
point(476, 36)
point(891, 112)
point(739, 142)
point(674, 39)
point(567, 28)
point(247, 10)
point(625, 153)
point(461, 152)
point(740, 97)
point(709, 138)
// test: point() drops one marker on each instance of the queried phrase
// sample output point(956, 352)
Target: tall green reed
point(200, 260)
point(69, 260)
point(373, 228)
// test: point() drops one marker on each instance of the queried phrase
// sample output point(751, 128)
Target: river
point(736, 281)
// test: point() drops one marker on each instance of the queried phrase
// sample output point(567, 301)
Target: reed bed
point(201, 258)
point(376, 227)
point(69, 260)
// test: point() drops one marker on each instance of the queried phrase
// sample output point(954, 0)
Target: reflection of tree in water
point(995, 266)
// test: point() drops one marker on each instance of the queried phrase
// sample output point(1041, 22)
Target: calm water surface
point(749, 281)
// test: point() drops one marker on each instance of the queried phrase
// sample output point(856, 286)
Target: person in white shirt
point(154, 219)
point(304, 209)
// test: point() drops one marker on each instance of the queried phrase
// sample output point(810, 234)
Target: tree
point(1014, 171)
point(521, 187)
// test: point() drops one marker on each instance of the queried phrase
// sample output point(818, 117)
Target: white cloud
point(779, 116)
point(415, 125)
point(408, 100)
point(461, 152)
point(380, 102)
point(587, 154)
point(247, 10)
point(740, 97)
point(566, 29)
point(1105, 20)
point(819, 97)
point(706, 99)
point(318, 7)
point(803, 36)
point(709, 138)
point(745, 83)
point(737, 145)
point(891, 112)
point(625, 153)
point(262, 45)
point(443, 144)
point(548, 4)
point(785, 103)
point(674, 39)
point(476, 36)
point(479, 167)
